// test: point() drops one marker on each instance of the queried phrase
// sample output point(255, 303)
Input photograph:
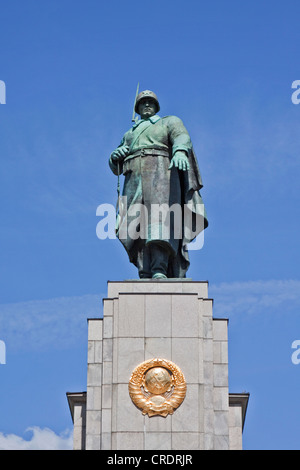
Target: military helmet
point(143, 95)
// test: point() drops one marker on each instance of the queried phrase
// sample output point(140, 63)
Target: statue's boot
point(159, 276)
point(159, 259)
point(143, 263)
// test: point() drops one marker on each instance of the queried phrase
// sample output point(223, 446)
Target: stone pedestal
point(168, 319)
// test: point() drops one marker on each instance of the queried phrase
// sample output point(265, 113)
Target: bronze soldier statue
point(157, 160)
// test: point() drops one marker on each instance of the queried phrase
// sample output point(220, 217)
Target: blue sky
point(71, 70)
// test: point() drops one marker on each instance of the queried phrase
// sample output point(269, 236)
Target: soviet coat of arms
point(157, 387)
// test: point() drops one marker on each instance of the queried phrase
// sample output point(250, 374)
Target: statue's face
point(147, 108)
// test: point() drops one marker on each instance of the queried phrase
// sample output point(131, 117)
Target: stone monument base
point(168, 320)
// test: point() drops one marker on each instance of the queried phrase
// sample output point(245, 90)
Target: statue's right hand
point(120, 153)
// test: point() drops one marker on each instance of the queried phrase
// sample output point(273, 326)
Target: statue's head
point(146, 104)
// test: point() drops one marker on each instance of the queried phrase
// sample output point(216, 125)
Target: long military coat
point(150, 184)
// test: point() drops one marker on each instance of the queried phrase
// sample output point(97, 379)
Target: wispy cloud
point(40, 439)
point(256, 297)
point(250, 150)
point(59, 323)
point(56, 323)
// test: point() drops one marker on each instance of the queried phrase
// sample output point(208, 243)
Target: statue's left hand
point(180, 161)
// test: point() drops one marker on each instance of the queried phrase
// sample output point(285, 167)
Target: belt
point(146, 151)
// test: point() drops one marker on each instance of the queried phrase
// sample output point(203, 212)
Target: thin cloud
point(249, 151)
point(59, 323)
point(255, 297)
point(54, 324)
point(40, 439)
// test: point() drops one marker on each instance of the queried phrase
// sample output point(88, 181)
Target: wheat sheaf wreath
point(155, 397)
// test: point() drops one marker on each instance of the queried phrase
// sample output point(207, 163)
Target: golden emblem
point(157, 387)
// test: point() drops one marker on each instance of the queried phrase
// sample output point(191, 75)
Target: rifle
point(133, 119)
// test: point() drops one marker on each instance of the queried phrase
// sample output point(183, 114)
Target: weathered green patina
point(157, 160)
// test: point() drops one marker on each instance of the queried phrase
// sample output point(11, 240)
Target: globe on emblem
point(158, 380)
